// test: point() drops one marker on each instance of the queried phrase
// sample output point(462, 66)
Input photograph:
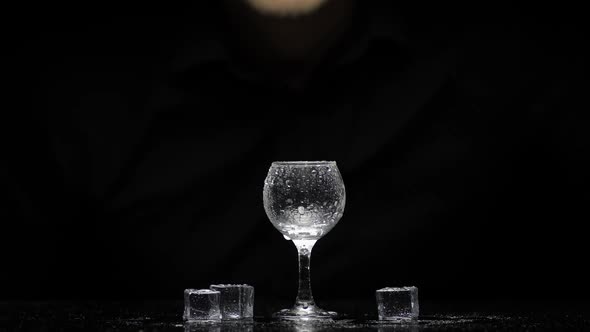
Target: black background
point(525, 240)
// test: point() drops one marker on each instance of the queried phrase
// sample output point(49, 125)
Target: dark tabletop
point(166, 316)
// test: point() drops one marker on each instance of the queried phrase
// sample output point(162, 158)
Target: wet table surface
point(166, 316)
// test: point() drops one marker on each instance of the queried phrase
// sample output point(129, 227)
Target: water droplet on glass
point(301, 210)
point(287, 238)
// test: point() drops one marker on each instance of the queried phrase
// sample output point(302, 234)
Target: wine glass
point(304, 200)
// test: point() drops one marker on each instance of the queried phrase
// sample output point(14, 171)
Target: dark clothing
point(140, 169)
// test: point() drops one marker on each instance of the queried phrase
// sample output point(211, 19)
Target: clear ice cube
point(201, 304)
point(235, 301)
point(394, 303)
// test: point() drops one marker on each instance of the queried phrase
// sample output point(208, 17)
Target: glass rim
point(303, 163)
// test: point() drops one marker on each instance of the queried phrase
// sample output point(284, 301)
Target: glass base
point(305, 314)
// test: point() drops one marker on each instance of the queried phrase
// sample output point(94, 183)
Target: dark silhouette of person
point(144, 141)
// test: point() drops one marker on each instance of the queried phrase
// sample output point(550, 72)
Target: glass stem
point(304, 297)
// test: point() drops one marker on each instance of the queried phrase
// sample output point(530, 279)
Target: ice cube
point(201, 304)
point(395, 303)
point(235, 301)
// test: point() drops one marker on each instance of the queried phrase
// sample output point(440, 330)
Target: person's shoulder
point(507, 60)
point(121, 41)
point(515, 55)
point(111, 56)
